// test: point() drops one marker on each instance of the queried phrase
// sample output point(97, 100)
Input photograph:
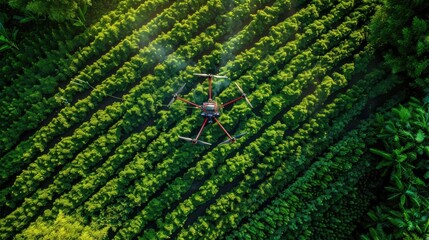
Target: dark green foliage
point(405, 213)
point(59, 10)
point(400, 31)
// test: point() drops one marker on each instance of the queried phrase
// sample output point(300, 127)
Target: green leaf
point(403, 200)
point(4, 48)
point(398, 182)
point(4, 39)
point(426, 176)
point(420, 137)
point(373, 233)
point(381, 153)
point(372, 215)
point(397, 222)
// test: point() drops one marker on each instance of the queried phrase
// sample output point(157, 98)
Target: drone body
point(210, 110)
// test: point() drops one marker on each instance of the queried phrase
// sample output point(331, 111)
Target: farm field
point(335, 148)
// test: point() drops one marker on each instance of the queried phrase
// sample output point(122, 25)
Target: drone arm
point(232, 101)
point(223, 129)
point(188, 102)
point(201, 129)
point(210, 88)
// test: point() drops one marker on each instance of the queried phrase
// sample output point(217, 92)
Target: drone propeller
point(234, 138)
point(209, 75)
point(194, 141)
point(244, 95)
point(175, 95)
point(82, 83)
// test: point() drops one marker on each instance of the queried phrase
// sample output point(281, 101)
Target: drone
point(210, 110)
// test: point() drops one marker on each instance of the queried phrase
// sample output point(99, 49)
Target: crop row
point(130, 122)
point(151, 149)
point(114, 137)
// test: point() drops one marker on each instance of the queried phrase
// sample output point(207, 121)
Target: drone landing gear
point(195, 141)
point(231, 139)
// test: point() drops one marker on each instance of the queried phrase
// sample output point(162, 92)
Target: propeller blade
point(81, 81)
point(245, 96)
point(193, 140)
point(240, 135)
point(247, 100)
point(202, 74)
point(209, 75)
point(225, 142)
point(186, 139)
point(239, 88)
point(233, 138)
point(181, 89)
point(175, 95)
point(171, 101)
point(202, 142)
point(219, 76)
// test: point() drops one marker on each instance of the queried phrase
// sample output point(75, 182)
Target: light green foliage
point(63, 227)
point(87, 143)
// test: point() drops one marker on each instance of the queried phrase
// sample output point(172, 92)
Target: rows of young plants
point(232, 167)
point(62, 40)
point(117, 163)
point(249, 202)
point(142, 162)
point(121, 182)
point(125, 18)
point(287, 210)
point(58, 61)
point(73, 114)
point(89, 124)
point(98, 70)
point(167, 163)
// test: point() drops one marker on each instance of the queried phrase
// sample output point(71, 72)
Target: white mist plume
point(219, 85)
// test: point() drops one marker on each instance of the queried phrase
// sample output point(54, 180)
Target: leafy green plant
point(405, 214)
point(80, 19)
point(7, 40)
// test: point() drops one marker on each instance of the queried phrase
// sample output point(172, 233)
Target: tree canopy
point(59, 10)
point(399, 29)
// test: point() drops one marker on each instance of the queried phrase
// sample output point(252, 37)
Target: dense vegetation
point(337, 141)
